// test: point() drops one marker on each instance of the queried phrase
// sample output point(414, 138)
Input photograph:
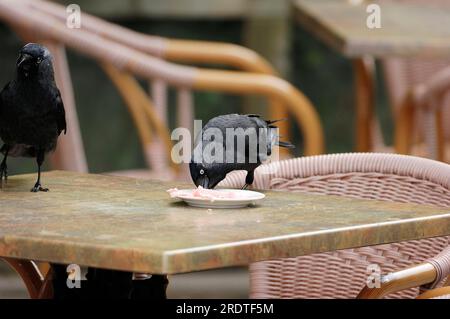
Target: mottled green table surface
point(407, 27)
point(126, 224)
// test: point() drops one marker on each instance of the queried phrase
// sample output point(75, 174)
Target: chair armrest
point(438, 293)
point(429, 273)
point(404, 279)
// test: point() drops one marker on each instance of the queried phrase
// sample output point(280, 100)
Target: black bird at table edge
point(210, 173)
point(32, 114)
point(32, 117)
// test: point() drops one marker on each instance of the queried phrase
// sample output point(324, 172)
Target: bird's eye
point(202, 172)
point(39, 60)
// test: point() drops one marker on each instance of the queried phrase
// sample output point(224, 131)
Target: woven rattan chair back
point(341, 274)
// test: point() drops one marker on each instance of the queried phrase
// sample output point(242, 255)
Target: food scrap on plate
point(202, 193)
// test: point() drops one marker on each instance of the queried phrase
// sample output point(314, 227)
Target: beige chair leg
point(364, 94)
point(403, 126)
point(69, 154)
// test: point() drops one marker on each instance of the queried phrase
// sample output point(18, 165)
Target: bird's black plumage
point(257, 136)
point(32, 112)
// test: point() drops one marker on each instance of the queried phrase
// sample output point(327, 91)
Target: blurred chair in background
point(419, 94)
point(178, 50)
point(185, 51)
point(342, 273)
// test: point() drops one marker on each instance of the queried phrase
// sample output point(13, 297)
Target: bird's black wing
point(5, 88)
point(60, 113)
point(2, 94)
point(1, 100)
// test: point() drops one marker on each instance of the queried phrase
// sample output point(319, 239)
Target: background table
point(408, 29)
point(125, 224)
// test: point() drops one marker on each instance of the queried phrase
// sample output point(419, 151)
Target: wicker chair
point(342, 274)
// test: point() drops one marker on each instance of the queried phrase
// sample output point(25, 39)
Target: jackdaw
point(32, 113)
point(232, 142)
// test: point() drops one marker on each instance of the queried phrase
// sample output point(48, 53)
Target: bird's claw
point(244, 187)
point(3, 174)
point(38, 188)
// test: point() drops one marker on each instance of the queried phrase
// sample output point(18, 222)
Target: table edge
point(218, 256)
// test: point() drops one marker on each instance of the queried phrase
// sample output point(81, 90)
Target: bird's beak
point(203, 182)
point(22, 59)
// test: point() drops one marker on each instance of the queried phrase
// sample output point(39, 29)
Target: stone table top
point(127, 224)
point(408, 28)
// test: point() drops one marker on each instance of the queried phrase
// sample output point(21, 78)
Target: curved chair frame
point(148, 67)
point(430, 273)
point(139, 103)
point(175, 50)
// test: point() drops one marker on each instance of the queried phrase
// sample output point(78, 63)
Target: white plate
point(243, 199)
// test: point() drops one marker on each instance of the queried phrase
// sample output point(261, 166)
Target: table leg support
point(151, 288)
point(109, 284)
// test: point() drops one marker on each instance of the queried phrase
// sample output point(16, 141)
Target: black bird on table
point(232, 142)
point(32, 113)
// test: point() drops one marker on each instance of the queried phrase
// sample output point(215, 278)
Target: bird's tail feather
point(269, 122)
point(275, 138)
point(285, 144)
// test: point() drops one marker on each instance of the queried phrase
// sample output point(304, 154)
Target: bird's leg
point(37, 187)
point(249, 179)
point(4, 167)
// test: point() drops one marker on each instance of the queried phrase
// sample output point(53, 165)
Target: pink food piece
point(203, 193)
point(173, 192)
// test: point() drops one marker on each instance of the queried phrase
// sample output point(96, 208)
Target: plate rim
point(259, 194)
